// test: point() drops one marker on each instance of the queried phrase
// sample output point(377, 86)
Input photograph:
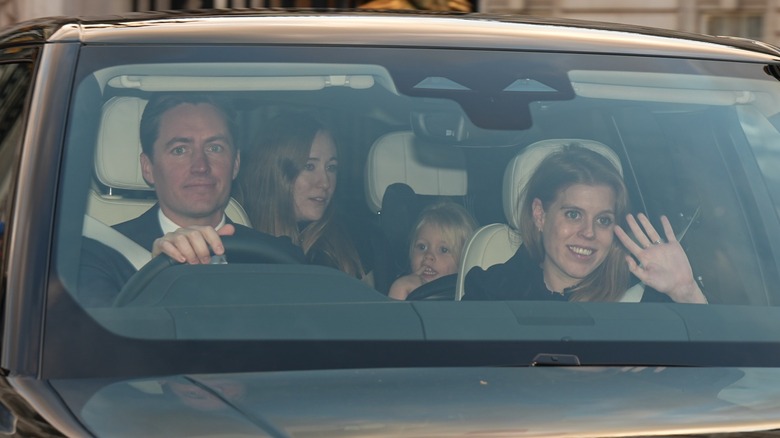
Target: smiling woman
point(569, 212)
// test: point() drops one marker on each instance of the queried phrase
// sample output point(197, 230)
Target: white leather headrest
point(520, 169)
point(399, 157)
point(117, 162)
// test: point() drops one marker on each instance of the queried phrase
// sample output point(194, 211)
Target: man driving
point(190, 158)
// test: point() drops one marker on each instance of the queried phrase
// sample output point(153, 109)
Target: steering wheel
point(441, 289)
point(249, 248)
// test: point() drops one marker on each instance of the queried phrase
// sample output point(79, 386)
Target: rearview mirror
point(454, 128)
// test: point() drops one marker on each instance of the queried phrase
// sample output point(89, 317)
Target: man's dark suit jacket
point(104, 271)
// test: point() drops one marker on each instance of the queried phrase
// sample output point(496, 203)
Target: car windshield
point(400, 130)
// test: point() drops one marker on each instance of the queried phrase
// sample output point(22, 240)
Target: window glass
point(410, 127)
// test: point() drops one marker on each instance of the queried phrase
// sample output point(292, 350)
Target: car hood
point(501, 402)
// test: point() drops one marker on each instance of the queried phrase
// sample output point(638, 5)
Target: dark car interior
point(411, 131)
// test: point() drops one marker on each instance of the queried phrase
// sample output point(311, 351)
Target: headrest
point(427, 169)
point(520, 169)
point(117, 163)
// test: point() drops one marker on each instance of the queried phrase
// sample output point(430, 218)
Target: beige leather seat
point(396, 158)
point(496, 243)
point(402, 175)
point(117, 166)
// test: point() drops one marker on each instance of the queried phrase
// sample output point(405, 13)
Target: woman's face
point(313, 188)
point(577, 232)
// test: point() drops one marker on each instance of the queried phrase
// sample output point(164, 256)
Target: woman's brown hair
point(576, 164)
point(268, 172)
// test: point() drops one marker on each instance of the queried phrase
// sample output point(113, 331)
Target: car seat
point(120, 192)
point(496, 243)
point(403, 175)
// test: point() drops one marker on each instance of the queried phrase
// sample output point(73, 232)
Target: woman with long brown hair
point(287, 183)
point(570, 209)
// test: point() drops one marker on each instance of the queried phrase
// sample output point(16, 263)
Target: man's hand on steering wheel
point(253, 247)
point(193, 244)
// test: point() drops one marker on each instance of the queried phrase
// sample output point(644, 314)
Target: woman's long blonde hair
point(268, 172)
point(576, 164)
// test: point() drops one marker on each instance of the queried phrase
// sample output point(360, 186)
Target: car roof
point(386, 28)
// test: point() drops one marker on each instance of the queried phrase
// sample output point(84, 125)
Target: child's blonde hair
point(454, 222)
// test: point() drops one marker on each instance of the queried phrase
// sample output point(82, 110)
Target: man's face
point(193, 164)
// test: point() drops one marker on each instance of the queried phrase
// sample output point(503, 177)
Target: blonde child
point(438, 238)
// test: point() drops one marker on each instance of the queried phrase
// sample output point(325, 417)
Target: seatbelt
point(137, 255)
point(634, 294)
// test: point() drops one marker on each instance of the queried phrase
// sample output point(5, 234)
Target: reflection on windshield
point(431, 401)
point(313, 174)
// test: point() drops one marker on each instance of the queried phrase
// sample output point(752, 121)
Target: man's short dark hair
point(160, 103)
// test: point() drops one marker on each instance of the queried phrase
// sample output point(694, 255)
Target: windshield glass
point(360, 186)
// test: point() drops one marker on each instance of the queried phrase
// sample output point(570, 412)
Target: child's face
point(431, 256)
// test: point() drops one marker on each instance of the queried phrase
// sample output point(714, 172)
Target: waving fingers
point(627, 241)
point(651, 234)
point(670, 236)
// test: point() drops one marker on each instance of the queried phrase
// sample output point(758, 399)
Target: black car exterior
point(693, 118)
